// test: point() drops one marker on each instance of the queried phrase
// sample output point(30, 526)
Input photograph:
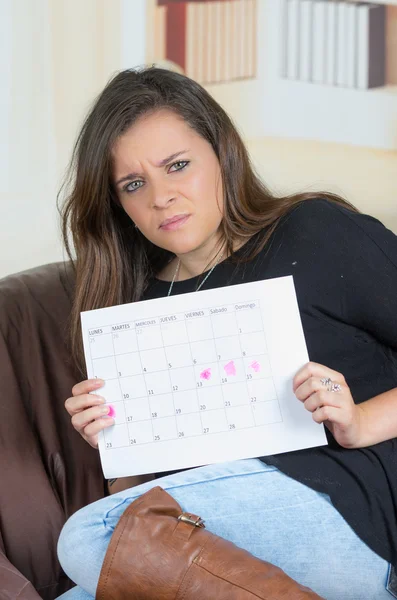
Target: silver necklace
point(201, 284)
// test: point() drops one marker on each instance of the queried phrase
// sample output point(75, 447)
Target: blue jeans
point(259, 509)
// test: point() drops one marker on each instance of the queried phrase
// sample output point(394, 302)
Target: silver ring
point(330, 385)
point(335, 387)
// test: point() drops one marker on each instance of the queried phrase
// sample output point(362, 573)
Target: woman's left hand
point(327, 396)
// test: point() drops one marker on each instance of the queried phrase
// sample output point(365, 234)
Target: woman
point(165, 201)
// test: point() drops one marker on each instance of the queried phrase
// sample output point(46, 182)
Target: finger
point(328, 413)
point(92, 429)
point(86, 386)
point(323, 398)
point(92, 441)
point(81, 419)
point(313, 369)
point(311, 386)
point(76, 404)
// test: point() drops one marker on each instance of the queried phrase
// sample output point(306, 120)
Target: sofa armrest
point(13, 585)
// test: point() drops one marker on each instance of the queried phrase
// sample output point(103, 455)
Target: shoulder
point(337, 229)
point(319, 211)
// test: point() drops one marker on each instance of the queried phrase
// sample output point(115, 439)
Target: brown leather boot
point(159, 553)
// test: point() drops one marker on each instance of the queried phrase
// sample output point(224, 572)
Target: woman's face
point(168, 181)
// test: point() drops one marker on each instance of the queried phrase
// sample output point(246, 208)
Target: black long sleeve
point(344, 266)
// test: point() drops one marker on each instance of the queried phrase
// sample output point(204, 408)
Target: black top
point(344, 266)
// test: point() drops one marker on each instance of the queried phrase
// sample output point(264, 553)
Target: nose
point(163, 195)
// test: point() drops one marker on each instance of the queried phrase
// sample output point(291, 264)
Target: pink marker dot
point(206, 374)
point(112, 412)
point(230, 368)
point(255, 366)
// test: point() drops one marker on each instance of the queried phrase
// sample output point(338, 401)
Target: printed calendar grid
point(110, 446)
point(157, 348)
point(125, 432)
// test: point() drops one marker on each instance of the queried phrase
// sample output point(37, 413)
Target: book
point(351, 44)
point(217, 67)
point(305, 40)
point(331, 39)
point(319, 41)
point(341, 44)
point(191, 41)
point(371, 46)
point(292, 39)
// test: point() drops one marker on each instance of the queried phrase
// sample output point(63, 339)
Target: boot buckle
point(191, 519)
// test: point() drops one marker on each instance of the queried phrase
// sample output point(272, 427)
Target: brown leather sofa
point(47, 471)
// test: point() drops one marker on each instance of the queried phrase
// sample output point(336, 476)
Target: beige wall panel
point(364, 176)
point(85, 52)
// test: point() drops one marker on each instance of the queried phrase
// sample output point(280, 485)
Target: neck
point(200, 260)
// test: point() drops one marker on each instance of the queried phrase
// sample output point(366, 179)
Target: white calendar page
point(200, 378)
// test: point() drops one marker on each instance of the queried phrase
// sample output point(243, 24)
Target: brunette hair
point(113, 260)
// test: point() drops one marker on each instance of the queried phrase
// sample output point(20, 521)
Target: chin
point(180, 244)
point(182, 248)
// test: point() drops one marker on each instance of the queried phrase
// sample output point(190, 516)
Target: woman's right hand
point(88, 411)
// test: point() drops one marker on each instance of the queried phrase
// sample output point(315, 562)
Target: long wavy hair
point(112, 260)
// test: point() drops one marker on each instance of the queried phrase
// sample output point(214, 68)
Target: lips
point(174, 222)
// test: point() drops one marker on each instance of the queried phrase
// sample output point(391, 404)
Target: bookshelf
point(212, 41)
point(387, 2)
point(342, 43)
point(391, 44)
point(334, 112)
point(250, 84)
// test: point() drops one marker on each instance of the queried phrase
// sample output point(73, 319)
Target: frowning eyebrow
point(162, 163)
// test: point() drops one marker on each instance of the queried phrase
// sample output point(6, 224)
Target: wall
point(60, 55)
point(28, 176)
point(303, 136)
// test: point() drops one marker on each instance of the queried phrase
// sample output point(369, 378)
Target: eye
point(180, 164)
point(132, 186)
